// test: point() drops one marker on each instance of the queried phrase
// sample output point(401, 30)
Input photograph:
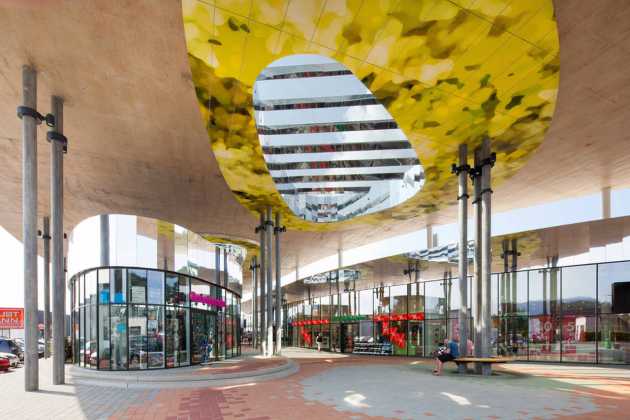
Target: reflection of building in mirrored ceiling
point(333, 151)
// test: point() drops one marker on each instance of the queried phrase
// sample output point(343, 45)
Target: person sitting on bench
point(447, 354)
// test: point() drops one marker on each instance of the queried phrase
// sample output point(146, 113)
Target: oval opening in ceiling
point(333, 151)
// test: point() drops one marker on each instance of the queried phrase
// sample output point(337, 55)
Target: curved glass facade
point(134, 241)
point(129, 318)
point(561, 314)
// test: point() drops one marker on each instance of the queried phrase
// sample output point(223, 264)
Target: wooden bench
point(485, 362)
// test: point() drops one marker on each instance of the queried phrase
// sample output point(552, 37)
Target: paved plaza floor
point(333, 386)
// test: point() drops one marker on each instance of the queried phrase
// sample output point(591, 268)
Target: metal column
point(263, 283)
point(226, 274)
point(56, 211)
point(29, 228)
point(47, 321)
point(476, 283)
point(278, 320)
point(104, 228)
point(217, 265)
point(462, 175)
point(254, 268)
point(486, 250)
point(269, 279)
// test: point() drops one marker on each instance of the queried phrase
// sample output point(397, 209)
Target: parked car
point(8, 345)
point(5, 364)
point(40, 346)
point(13, 359)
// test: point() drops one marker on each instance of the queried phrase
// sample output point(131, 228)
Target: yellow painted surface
point(448, 75)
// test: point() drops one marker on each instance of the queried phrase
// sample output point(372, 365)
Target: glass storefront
point(129, 318)
point(560, 314)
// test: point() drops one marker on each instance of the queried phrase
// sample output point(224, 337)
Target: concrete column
point(47, 320)
point(606, 203)
point(29, 229)
point(254, 303)
point(226, 274)
point(263, 283)
point(505, 248)
point(486, 250)
point(476, 283)
point(514, 275)
point(217, 265)
point(339, 268)
point(515, 254)
point(104, 228)
point(554, 290)
point(429, 236)
point(504, 287)
point(269, 279)
point(546, 309)
point(58, 274)
point(278, 320)
point(462, 175)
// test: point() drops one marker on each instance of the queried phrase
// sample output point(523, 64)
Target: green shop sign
point(349, 318)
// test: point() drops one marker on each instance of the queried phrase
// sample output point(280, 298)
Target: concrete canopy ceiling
point(139, 146)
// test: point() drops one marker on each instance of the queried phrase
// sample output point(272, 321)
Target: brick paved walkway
point(330, 386)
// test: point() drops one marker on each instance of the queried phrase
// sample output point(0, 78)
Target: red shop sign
point(11, 318)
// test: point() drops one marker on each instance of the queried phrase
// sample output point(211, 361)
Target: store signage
point(206, 300)
point(349, 318)
point(11, 318)
point(311, 322)
point(418, 316)
point(306, 336)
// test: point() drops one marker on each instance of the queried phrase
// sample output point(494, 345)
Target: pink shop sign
point(207, 300)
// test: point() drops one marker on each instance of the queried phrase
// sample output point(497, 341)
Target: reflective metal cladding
point(333, 151)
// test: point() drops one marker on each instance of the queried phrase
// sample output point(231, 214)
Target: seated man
point(450, 353)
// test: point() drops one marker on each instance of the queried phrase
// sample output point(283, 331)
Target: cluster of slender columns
point(254, 272)
point(480, 174)
point(462, 173)
point(52, 231)
point(264, 308)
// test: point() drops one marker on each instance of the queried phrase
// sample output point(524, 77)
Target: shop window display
point(557, 314)
point(512, 337)
point(104, 337)
point(155, 336)
point(152, 326)
point(118, 340)
point(138, 356)
point(614, 328)
point(614, 338)
point(579, 314)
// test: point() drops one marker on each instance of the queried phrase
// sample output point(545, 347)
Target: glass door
point(199, 337)
point(335, 336)
point(205, 345)
point(348, 334)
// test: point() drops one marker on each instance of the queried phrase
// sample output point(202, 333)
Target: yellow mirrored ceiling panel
point(446, 72)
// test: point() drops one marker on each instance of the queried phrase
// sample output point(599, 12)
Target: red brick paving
point(282, 399)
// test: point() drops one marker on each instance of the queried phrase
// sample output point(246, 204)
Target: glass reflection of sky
point(333, 151)
point(150, 243)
